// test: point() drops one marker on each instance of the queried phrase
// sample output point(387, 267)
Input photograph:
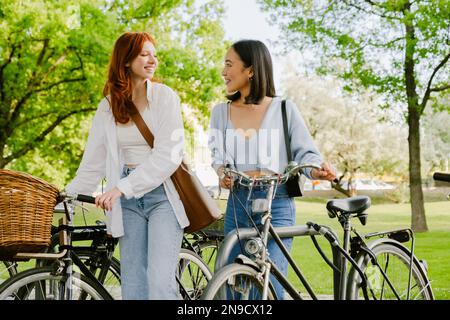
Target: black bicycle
point(380, 269)
point(443, 177)
point(92, 255)
point(56, 280)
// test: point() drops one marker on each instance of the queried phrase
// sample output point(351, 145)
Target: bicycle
point(444, 177)
point(381, 269)
point(205, 243)
point(192, 273)
point(57, 280)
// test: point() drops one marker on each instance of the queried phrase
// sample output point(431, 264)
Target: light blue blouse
point(264, 148)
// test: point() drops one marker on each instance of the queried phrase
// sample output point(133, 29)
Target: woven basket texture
point(26, 212)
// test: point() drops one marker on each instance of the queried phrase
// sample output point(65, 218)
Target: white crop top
point(133, 145)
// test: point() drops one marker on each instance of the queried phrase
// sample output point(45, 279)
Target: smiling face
point(236, 75)
point(144, 65)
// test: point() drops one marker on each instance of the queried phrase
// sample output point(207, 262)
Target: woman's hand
point(224, 180)
point(106, 200)
point(326, 172)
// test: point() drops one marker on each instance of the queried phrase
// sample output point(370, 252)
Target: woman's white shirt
point(104, 158)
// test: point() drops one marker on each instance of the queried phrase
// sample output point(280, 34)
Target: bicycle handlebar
point(85, 198)
point(440, 176)
point(76, 196)
point(291, 170)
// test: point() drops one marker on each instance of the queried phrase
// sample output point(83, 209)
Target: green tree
point(347, 129)
point(398, 48)
point(436, 142)
point(53, 64)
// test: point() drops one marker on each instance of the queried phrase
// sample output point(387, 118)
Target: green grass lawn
point(432, 246)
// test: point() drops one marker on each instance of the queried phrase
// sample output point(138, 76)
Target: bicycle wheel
point(395, 262)
point(207, 250)
point(110, 279)
point(7, 270)
point(237, 282)
point(193, 275)
point(43, 284)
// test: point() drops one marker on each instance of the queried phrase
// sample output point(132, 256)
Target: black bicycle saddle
point(351, 205)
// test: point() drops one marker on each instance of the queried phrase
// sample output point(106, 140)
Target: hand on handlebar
point(228, 175)
point(106, 200)
point(225, 181)
point(326, 172)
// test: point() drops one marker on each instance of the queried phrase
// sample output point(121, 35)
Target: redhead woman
point(142, 205)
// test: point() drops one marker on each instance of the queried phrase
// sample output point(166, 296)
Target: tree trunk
point(418, 219)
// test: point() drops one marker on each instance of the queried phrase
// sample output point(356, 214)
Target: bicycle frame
point(341, 255)
point(282, 232)
point(67, 257)
point(102, 245)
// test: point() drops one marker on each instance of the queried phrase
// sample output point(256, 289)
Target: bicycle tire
point(194, 272)
point(207, 250)
point(42, 284)
point(394, 259)
point(7, 270)
point(223, 284)
point(193, 275)
point(89, 257)
point(111, 281)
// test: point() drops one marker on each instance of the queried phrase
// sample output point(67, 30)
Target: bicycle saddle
point(351, 205)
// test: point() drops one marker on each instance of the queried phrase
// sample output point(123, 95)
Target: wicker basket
point(26, 212)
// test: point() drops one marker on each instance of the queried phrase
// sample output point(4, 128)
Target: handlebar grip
point(84, 198)
point(440, 176)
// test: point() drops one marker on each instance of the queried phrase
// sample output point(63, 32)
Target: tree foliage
point(397, 48)
point(347, 129)
point(53, 64)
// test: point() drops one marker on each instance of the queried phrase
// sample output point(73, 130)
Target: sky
point(245, 20)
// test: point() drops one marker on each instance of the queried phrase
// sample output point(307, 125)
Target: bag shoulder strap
point(140, 124)
point(287, 138)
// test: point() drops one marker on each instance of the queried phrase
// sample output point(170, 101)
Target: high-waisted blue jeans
point(150, 247)
point(283, 214)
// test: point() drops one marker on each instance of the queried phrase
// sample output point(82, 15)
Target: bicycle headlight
point(253, 246)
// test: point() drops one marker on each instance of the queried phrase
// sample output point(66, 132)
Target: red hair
point(119, 85)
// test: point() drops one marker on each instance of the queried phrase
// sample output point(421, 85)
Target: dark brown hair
point(119, 85)
point(255, 54)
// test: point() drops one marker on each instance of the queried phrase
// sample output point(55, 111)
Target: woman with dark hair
point(142, 205)
point(247, 133)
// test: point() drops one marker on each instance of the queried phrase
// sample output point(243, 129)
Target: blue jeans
point(283, 214)
point(150, 247)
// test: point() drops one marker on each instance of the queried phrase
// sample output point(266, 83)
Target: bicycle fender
point(353, 274)
point(374, 243)
point(242, 259)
